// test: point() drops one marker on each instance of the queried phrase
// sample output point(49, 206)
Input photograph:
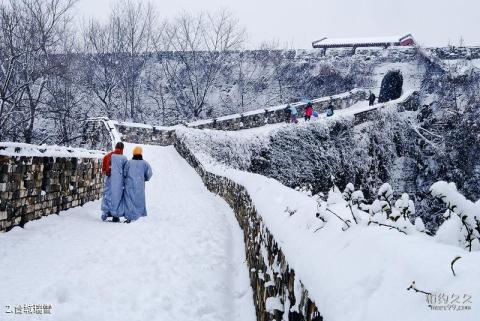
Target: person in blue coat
point(293, 113)
point(136, 172)
point(330, 110)
point(112, 168)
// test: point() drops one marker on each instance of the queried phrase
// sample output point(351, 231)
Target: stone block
point(29, 209)
point(52, 188)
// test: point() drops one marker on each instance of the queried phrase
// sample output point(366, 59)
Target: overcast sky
point(299, 22)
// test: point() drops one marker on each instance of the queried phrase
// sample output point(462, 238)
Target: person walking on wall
point(308, 111)
point(287, 113)
point(330, 110)
point(371, 99)
point(293, 113)
point(137, 171)
point(112, 169)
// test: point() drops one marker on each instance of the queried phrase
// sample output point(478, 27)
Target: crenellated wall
point(36, 186)
point(278, 293)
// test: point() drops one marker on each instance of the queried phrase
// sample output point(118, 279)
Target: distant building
point(385, 42)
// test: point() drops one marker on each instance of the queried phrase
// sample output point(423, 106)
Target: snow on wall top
point(363, 273)
point(275, 108)
point(359, 41)
point(21, 149)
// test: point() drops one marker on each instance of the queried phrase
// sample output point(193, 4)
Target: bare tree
point(119, 51)
point(102, 77)
point(198, 45)
point(65, 104)
point(133, 23)
point(156, 90)
point(276, 63)
point(30, 34)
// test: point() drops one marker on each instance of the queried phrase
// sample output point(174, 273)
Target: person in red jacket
point(308, 111)
point(112, 169)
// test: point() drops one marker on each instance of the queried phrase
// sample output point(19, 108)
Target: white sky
point(299, 22)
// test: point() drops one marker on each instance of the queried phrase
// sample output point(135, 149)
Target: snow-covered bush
point(462, 217)
point(419, 225)
point(397, 215)
point(306, 189)
point(383, 203)
point(224, 147)
point(355, 199)
point(347, 193)
point(404, 207)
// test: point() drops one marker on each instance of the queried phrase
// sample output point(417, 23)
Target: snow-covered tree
point(383, 203)
point(31, 33)
point(404, 207)
point(199, 44)
point(461, 212)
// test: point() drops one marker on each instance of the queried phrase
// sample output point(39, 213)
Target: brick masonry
point(32, 187)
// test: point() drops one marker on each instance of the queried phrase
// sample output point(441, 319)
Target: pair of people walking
point(124, 191)
point(291, 113)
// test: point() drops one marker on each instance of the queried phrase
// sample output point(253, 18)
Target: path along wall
point(274, 115)
point(39, 181)
point(278, 293)
point(100, 132)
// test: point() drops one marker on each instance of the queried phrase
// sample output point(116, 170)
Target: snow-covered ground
point(362, 273)
point(184, 261)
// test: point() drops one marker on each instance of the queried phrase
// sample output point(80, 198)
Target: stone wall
point(453, 52)
point(410, 103)
point(36, 186)
point(100, 132)
point(271, 278)
point(150, 135)
point(274, 115)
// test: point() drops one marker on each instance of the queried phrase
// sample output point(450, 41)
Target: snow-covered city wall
point(275, 284)
point(310, 258)
point(275, 115)
point(37, 181)
point(146, 134)
point(99, 133)
point(408, 102)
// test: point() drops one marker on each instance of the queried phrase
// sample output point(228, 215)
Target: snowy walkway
point(185, 261)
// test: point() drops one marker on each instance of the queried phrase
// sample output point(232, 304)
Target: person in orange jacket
point(137, 171)
point(112, 168)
